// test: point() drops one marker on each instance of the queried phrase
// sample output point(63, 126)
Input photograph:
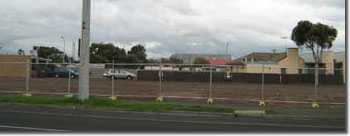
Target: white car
point(118, 73)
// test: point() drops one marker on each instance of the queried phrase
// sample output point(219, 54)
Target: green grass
point(100, 102)
point(273, 112)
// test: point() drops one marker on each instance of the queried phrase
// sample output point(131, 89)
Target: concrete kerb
point(250, 112)
point(152, 96)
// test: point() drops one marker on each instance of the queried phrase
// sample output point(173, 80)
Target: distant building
point(218, 62)
point(290, 62)
point(331, 61)
point(279, 63)
point(189, 58)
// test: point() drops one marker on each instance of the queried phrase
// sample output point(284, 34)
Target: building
point(14, 66)
point(331, 62)
point(279, 63)
point(189, 58)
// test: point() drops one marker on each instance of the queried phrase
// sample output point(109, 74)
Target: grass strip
point(100, 102)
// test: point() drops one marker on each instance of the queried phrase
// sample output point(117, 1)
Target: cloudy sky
point(166, 27)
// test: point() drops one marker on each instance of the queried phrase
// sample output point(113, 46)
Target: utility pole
point(227, 51)
point(85, 52)
point(285, 42)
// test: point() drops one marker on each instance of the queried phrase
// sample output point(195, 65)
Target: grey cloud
point(167, 26)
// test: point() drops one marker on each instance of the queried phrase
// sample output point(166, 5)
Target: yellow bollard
point(262, 103)
point(113, 98)
point(28, 94)
point(210, 101)
point(159, 99)
point(315, 105)
point(68, 96)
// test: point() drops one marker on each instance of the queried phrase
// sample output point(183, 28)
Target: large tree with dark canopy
point(138, 53)
point(316, 37)
point(51, 53)
point(106, 53)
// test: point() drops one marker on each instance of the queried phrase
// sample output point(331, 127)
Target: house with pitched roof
point(279, 63)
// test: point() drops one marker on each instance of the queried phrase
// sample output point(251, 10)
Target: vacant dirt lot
point(282, 92)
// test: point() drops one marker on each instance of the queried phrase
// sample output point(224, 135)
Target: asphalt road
point(55, 119)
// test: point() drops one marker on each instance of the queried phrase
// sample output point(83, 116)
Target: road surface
point(56, 119)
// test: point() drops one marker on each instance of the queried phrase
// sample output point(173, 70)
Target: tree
point(315, 37)
point(106, 53)
point(51, 53)
point(200, 61)
point(138, 52)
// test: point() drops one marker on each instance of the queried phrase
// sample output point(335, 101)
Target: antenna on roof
point(285, 42)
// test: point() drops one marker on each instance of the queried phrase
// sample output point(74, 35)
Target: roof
point(218, 62)
point(261, 57)
point(205, 56)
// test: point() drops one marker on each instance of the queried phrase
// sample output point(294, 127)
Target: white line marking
point(161, 120)
point(30, 128)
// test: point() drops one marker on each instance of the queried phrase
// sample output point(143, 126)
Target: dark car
point(63, 73)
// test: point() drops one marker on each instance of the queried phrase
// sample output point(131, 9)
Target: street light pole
point(64, 48)
point(85, 53)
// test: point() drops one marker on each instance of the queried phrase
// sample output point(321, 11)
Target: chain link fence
point(224, 84)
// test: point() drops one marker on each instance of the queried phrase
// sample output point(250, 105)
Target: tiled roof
point(261, 57)
point(218, 62)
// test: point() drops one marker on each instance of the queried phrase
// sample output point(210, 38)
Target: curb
point(250, 112)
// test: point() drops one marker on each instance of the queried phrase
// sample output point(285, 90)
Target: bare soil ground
point(334, 93)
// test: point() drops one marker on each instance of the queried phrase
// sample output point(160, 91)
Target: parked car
point(118, 73)
point(42, 70)
point(63, 73)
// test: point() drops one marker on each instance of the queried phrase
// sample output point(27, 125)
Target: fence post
point(210, 100)
point(280, 77)
point(113, 97)
point(28, 94)
point(160, 75)
point(262, 103)
point(69, 95)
